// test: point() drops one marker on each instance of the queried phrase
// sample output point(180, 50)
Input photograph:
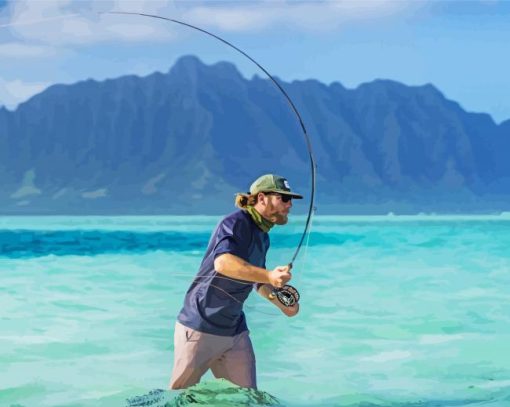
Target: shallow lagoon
point(396, 311)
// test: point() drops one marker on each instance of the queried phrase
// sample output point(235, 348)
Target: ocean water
point(395, 311)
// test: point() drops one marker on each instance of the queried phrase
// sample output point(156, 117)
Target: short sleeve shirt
point(213, 303)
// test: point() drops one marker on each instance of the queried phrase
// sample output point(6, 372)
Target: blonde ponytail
point(244, 200)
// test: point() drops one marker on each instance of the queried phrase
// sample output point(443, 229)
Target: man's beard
point(275, 216)
point(280, 219)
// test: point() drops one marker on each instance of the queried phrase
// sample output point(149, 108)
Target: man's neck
point(261, 221)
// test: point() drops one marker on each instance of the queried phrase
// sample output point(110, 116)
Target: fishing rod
point(287, 295)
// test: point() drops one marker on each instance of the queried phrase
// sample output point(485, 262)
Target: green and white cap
point(273, 183)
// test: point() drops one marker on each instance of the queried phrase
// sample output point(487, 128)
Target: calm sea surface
point(396, 311)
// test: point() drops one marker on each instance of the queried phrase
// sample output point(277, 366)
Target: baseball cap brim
point(283, 192)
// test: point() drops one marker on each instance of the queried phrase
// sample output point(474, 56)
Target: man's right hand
point(279, 276)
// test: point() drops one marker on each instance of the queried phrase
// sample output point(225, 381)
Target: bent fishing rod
point(287, 295)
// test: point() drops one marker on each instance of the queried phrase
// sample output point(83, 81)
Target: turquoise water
point(396, 311)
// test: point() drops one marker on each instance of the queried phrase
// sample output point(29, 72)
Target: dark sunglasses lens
point(286, 198)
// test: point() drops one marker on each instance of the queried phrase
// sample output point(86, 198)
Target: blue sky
point(461, 47)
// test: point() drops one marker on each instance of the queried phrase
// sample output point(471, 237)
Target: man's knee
point(176, 386)
point(182, 379)
point(179, 383)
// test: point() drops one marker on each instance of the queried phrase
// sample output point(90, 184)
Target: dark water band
point(37, 243)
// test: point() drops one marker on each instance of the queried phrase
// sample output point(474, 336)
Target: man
point(211, 331)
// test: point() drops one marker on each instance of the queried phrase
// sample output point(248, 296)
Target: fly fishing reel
point(287, 295)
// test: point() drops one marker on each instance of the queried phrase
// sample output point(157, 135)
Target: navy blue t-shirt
point(213, 303)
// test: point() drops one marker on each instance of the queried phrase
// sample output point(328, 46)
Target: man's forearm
point(235, 267)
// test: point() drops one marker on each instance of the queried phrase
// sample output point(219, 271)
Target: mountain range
point(185, 141)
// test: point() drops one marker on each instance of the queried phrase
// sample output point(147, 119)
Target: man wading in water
point(211, 331)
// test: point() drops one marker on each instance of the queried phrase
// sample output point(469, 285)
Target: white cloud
point(20, 50)
point(319, 15)
point(132, 31)
point(62, 22)
point(231, 19)
point(16, 91)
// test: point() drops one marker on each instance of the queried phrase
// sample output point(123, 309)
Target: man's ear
point(260, 197)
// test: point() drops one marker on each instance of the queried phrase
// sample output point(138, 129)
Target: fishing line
point(217, 276)
point(287, 295)
point(40, 20)
point(305, 256)
point(313, 166)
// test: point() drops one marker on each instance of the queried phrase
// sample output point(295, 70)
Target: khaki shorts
point(229, 357)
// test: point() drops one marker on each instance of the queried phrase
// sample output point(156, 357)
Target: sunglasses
point(284, 198)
